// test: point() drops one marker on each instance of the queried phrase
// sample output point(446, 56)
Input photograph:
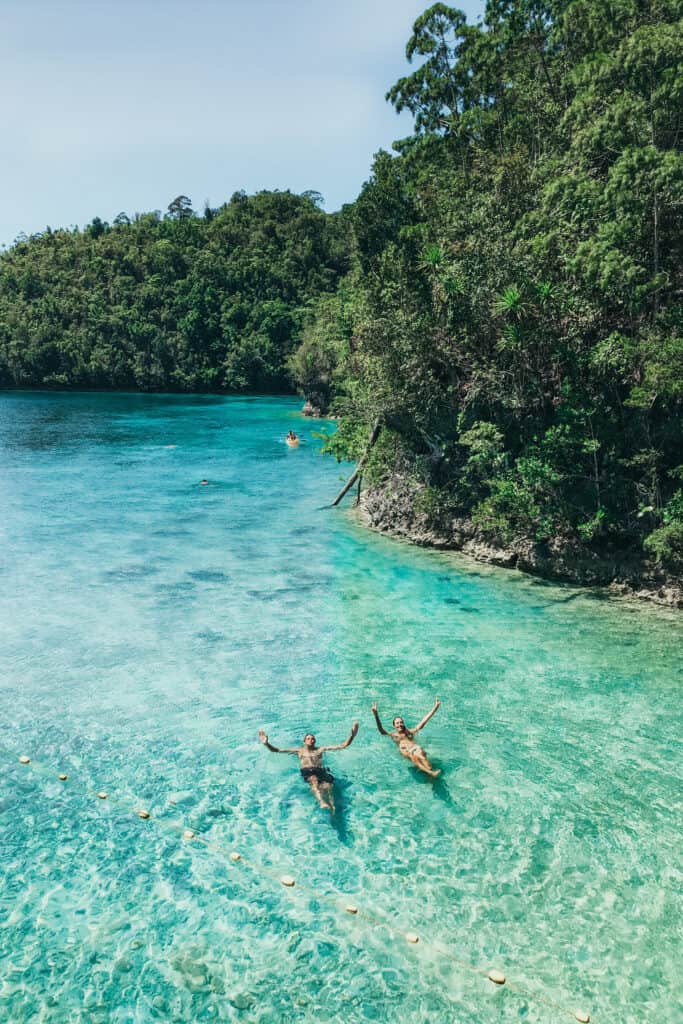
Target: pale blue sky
point(123, 104)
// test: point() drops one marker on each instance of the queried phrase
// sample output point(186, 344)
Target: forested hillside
point(178, 302)
point(513, 311)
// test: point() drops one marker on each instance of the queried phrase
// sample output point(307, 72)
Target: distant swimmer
point(403, 738)
point(312, 768)
point(292, 440)
point(204, 483)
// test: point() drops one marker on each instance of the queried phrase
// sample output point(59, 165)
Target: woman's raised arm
point(377, 720)
point(437, 705)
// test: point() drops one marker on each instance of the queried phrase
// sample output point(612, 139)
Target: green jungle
point(502, 302)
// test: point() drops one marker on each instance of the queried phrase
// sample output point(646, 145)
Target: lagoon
point(149, 626)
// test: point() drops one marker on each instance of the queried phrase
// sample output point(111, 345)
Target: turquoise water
point(149, 626)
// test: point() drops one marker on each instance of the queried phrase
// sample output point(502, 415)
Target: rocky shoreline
point(393, 508)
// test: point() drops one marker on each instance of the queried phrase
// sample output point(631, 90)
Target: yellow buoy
point(496, 977)
point(102, 795)
point(63, 777)
point(288, 881)
point(351, 909)
point(143, 814)
point(412, 937)
point(235, 855)
point(188, 834)
point(583, 1018)
point(24, 759)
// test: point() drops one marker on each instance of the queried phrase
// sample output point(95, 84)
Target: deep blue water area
point(150, 625)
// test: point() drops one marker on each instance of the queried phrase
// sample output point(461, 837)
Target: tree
point(180, 208)
point(435, 92)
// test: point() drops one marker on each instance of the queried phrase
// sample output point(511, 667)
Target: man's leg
point(315, 786)
point(326, 787)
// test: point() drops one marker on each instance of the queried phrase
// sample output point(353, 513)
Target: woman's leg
point(421, 761)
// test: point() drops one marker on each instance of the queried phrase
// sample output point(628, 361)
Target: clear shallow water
point(149, 626)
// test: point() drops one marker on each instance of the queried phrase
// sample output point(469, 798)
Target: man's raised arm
point(437, 705)
point(377, 721)
point(276, 750)
point(346, 743)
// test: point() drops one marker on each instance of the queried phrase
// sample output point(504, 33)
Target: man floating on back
point(313, 769)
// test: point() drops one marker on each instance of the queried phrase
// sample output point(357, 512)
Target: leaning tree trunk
point(377, 427)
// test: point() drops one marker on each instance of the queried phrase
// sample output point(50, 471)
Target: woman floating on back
point(403, 738)
point(292, 440)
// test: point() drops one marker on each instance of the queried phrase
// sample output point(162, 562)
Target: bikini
point(408, 745)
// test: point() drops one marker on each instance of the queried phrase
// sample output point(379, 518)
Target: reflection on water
point(150, 626)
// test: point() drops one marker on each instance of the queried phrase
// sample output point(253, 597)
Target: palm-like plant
point(510, 302)
point(432, 258)
point(544, 291)
point(511, 338)
point(454, 285)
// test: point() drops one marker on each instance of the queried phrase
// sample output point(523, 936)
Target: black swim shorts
point(321, 774)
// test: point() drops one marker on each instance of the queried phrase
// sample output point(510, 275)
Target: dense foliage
point(179, 303)
point(513, 311)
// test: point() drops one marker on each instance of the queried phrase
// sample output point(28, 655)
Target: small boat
point(293, 442)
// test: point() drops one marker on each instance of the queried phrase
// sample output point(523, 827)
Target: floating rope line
point(335, 899)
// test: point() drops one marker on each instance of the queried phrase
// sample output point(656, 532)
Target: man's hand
point(354, 729)
point(374, 706)
point(437, 703)
point(262, 736)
